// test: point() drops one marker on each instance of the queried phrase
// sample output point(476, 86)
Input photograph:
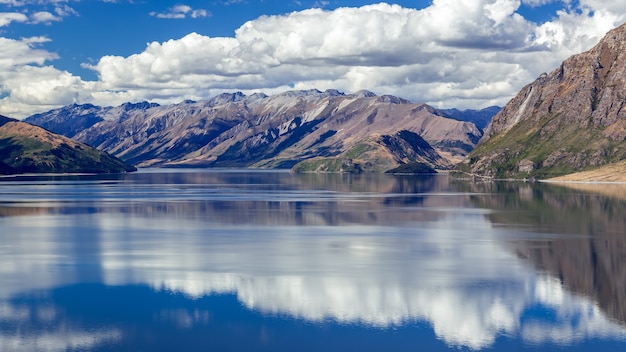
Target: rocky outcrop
point(25, 148)
point(235, 130)
point(570, 120)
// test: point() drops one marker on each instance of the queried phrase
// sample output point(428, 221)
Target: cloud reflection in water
point(373, 260)
point(62, 337)
point(464, 283)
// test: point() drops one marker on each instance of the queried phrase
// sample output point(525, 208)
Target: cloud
point(6, 18)
point(65, 11)
point(17, 53)
point(537, 3)
point(358, 45)
point(182, 12)
point(612, 6)
point(18, 3)
point(59, 8)
point(27, 84)
point(12, 2)
point(44, 17)
point(320, 4)
point(465, 54)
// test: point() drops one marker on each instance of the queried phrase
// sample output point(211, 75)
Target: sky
point(447, 53)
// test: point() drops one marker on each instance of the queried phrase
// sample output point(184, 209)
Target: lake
point(245, 260)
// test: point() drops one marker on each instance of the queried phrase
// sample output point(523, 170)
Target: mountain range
point(570, 120)
point(313, 130)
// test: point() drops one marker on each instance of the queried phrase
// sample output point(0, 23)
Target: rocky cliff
point(25, 148)
point(569, 120)
point(235, 130)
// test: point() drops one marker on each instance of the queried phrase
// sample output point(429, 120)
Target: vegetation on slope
point(570, 120)
point(544, 149)
point(28, 149)
point(415, 168)
point(376, 154)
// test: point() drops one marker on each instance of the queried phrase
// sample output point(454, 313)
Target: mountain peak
point(616, 36)
point(4, 120)
point(144, 105)
point(392, 99)
point(363, 93)
point(314, 93)
point(569, 120)
point(333, 93)
point(227, 98)
point(258, 96)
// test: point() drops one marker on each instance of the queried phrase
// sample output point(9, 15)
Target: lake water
point(241, 260)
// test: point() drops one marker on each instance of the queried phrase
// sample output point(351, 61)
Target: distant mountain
point(25, 148)
point(570, 120)
point(361, 131)
point(481, 118)
point(72, 119)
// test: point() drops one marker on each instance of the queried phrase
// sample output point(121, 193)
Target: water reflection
point(25, 328)
point(589, 255)
point(372, 250)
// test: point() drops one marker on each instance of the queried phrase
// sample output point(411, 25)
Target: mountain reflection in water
point(536, 264)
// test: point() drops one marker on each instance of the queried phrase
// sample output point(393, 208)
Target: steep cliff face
point(570, 120)
point(235, 130)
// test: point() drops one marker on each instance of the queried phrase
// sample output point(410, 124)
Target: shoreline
point(583, 182)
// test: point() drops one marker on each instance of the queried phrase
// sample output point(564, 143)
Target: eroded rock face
point(566, 121)
point(526, 166)
point(235, 130)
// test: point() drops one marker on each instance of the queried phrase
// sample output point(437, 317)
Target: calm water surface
point(240, 260)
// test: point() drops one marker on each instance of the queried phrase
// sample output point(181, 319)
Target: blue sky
point(448, 53)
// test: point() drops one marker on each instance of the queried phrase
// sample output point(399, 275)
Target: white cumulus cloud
point(44, 17)
point(6, 18)
point(465, 54)
point(27, 84)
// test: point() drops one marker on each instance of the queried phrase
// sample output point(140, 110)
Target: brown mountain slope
point(25, 148)
point(235, 130)
point(572, 119)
